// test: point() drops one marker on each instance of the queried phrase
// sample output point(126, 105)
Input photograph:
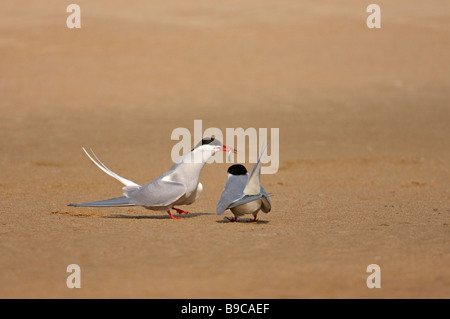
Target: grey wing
point(113, 202)
point(244, 200)
point(231, 193)
point(159, 192)
point(266, 205)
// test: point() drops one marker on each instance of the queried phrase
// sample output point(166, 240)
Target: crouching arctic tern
point(178, 186)
point(243, 193)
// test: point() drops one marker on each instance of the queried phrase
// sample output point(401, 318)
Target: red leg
point(180, 211)
point(254, 220)
point(232, 220)
point(173, 217)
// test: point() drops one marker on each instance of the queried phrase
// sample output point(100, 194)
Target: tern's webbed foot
point(254, 220)
point(173, 217)
point(180, 211)
point(232, 220)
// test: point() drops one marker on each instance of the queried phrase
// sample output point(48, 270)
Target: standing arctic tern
point(243, 193)
point(178, 186)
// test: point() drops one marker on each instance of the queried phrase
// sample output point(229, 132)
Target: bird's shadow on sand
point(243, 221)
point(162, 216)
point(190, 215)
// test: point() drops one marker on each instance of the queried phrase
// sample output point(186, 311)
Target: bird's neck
point(197, 156)
point(189, 166)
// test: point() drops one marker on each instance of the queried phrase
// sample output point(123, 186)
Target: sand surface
point(364, 170)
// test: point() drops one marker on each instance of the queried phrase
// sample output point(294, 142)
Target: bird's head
point(212, 145)
point(237, 169)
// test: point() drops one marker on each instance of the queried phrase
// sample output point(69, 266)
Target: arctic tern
point(243, 193)
point(178, 186)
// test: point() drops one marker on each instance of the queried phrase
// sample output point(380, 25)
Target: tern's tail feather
point(96, 161)
point(113, 202)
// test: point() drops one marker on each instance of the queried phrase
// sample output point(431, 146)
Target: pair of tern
point(180, 185)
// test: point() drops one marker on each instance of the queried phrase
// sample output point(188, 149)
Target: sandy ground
point(364, 147)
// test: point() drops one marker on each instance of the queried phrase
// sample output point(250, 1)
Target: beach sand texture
point(364, 155)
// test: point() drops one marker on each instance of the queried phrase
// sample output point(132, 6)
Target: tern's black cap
point(208, 140)
point(237, 169)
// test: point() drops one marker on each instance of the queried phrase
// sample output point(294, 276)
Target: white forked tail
point(129, 185)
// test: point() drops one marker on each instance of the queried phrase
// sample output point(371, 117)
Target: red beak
point(226, 149)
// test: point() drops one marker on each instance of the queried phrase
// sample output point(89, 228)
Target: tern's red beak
point(226, 149)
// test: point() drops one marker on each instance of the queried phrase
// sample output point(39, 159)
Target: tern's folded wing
point(231, 193)
point(266, 205)
point(159, 192)
point(244, 200)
